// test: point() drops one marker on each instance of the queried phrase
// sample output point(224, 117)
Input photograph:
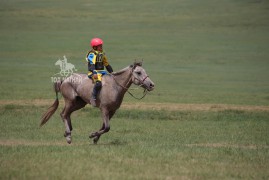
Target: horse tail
point(51, 110)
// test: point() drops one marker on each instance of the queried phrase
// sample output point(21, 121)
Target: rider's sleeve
point(91, 58)
point(107, 65)
point(105, 62)
point(109, 69)
point(91, 62)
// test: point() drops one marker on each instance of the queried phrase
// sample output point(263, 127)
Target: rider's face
point(99, 48)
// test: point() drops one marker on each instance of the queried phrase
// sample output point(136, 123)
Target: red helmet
point(96, 42)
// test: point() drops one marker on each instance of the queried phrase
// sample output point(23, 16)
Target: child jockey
point(97, 61)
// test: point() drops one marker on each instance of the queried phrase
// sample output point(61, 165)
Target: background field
point(196, 52)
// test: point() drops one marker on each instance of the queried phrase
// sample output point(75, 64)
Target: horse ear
point(136, 63)
point(141, 62)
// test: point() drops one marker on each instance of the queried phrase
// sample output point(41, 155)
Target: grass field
point(141, 145)
point(212, 56)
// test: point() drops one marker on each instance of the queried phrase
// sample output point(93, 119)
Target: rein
point(127, 89)
point(144, 94)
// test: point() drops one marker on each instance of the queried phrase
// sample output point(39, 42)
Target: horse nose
point(151, 85)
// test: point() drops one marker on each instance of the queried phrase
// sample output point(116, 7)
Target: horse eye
point(138, 73)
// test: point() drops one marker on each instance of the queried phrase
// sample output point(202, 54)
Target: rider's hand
point(95, 76)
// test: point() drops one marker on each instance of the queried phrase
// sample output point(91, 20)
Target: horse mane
point(133, 66)
point(121, 71)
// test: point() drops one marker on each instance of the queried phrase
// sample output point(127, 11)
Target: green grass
point(140, 145)
point(195, 52)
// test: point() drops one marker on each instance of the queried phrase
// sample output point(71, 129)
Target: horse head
point(140, 77)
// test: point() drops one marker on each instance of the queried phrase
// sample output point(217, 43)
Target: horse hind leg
point(68, 109)
point(67, 122)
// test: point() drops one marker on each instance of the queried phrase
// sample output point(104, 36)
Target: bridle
point(127, 89)
point(141, 82)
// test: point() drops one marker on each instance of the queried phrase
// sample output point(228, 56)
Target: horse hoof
point(93, 135)
point(95, 140)
point(68, 140)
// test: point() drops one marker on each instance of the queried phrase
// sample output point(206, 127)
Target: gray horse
point(77, 89)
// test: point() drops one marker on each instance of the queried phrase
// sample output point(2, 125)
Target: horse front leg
point(96, 136)
point(104, 129)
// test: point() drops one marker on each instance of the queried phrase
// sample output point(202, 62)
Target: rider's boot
point(96, 89)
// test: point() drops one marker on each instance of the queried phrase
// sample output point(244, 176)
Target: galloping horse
point(77, 95)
